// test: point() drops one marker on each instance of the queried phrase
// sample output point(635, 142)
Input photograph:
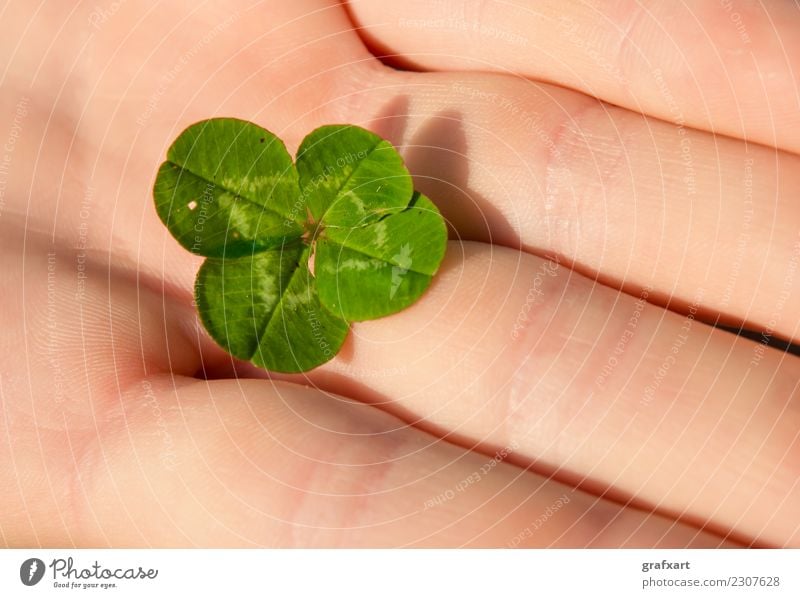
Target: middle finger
point(591, 385)
point(639, 202)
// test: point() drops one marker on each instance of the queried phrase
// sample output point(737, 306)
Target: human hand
point(523, 373)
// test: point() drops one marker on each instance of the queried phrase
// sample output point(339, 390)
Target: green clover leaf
point(379, 269)
point(228, 188)
point(351, 177)
point(229, 191)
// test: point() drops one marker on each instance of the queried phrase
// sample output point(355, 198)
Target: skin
point(553, 140)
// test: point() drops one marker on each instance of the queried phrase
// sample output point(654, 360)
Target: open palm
point(539, 394)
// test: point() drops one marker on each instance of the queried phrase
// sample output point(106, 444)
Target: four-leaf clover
point(296, 251)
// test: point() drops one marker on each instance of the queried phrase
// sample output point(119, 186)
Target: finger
point(249, 463)
point(568, 171)
point(725, 67)
point(634, 201)
point(104, 440)
point(594, 387)
point(95, 95)
point(77, 337)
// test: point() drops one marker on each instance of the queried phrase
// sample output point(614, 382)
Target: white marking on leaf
point(356, 202)
point(359, 264)
point(295, 300)
point(403, 261)
point(251, 185)
point(380, 235)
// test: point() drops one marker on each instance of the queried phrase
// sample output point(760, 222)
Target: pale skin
point(124, 425)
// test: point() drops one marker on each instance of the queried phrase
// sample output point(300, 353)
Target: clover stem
point(312, 232)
